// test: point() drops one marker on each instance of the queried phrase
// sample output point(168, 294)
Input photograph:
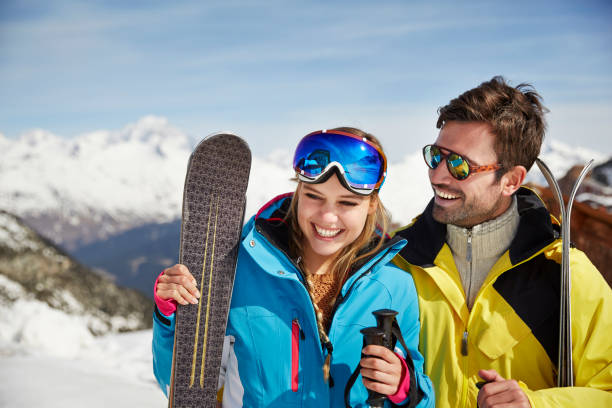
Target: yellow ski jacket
point(513, 326)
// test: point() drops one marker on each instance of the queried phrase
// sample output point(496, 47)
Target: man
point(485, 256)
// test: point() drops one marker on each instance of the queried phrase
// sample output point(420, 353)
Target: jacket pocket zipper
point(295, 353)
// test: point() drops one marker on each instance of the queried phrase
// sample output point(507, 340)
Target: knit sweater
point(475, 250)
point(324, 290)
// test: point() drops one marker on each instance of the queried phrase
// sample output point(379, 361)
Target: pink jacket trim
point(166, 307)
point(404, 386)
point(272, 201)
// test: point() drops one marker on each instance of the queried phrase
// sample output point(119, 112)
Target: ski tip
point(224, 135)
point(227, 134)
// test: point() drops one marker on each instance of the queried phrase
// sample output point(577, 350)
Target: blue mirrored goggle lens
point(361, 162)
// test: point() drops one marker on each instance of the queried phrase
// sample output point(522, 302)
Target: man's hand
point(500, 393)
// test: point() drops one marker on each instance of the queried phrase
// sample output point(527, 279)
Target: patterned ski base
point(213, 210)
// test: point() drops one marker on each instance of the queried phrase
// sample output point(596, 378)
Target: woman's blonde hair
point(367, 243)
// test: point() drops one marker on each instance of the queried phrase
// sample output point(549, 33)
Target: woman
point(312, 267)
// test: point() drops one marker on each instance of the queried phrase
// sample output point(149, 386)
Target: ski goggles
point(361, 165)
point(458, 166)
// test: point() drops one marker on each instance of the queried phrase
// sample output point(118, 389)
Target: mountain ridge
point(99, 184)
point(102, 192)
point(32, 267)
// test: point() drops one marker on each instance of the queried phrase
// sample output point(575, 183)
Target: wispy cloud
point(73, 66)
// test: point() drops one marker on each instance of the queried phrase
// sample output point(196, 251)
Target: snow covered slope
point(110, 371)
point(49, 310)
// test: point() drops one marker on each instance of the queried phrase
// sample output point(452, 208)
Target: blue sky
point(273, 71)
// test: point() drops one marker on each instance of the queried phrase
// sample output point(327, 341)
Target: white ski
point(565, 375)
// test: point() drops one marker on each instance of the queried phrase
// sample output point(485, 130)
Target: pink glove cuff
point(404, 386)
point(166, 307)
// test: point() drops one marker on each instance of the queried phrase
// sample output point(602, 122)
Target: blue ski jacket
point(276, 349)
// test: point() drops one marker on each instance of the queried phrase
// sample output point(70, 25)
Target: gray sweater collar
point(489, 239)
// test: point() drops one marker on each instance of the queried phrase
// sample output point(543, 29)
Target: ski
point(214, 199)
point(565, 370)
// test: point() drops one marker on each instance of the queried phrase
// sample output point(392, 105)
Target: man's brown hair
point(514, 114)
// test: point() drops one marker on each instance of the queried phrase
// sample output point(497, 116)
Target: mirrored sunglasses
point(457, 165)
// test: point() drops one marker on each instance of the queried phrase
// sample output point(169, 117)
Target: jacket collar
point(270, 222)
point(426, 236)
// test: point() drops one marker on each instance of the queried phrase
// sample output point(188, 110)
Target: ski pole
point(376, 336)
point(380, 335)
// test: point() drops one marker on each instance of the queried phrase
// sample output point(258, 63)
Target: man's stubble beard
point(469, 214)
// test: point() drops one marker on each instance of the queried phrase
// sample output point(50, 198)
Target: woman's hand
point(381, 370)
point(179, 284)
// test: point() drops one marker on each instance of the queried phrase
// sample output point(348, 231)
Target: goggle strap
point(336, 169)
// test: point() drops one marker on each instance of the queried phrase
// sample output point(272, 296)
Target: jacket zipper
point(296, 335)
point(468, 258)
point(464, 338)
point(464, 353)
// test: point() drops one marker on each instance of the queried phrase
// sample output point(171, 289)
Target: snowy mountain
point(135, 257)
point(96, 185)
point(561, 157)
point(37, 277)
point(59, 340)
point(113, 198)
point(81, 190)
